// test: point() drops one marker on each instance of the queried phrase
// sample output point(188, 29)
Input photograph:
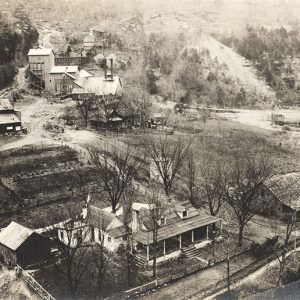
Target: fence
point(183, 272)
point(159, 282)
point(34, 284)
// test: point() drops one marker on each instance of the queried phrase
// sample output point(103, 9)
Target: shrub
point(286, 128)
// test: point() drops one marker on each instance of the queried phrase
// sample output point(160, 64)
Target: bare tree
point(154, 221)
point(73, 250)
point(137, 101)
point(85, 105)
point(209, 183)
point(168, 156)
point(99, 254)
point(106, 105)
point(191, 179)
point(126, 251)
point(117, 169)
point(281, 250)
point(240, 182)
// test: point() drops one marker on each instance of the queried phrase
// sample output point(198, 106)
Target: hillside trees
point(27, 33)
point(273, 52)
point(15, 41)
point(8, 44)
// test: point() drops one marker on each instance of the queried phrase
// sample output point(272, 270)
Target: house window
point(70, 87)
point(10, 128)
point(184, 213)
point(108, 238)
point(78, 236)
point(124, 238)
point(61, 235)
point(58, 87)
point(93, 234)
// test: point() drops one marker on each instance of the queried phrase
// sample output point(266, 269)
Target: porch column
point(221, 227)
point(147, 253)
point(207, 232)
point(164, 247)
point(180, 241)
point(192, 236)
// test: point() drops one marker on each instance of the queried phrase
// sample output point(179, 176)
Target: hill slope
point(238, 67)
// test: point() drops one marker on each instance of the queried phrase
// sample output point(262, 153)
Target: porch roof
point(174, 229)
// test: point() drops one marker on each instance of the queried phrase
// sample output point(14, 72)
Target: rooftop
point(9, 118)
point(63, 69)
point(14, 235)
point(287, 189)
point(175, 228)
point(40, 52)
point(103, 219)
point(174, 225)
point(5, 104)
point(97, 85)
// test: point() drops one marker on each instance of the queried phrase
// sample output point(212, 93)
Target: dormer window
point(184, 214)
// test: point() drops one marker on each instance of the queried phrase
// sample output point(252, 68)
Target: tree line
point(271, 51)
point(16, 39)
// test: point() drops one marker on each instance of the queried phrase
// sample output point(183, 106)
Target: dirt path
point(254, 276)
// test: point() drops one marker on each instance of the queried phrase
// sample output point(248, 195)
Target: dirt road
point(187, 287)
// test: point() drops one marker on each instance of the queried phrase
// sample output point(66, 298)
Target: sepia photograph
point(149, 149)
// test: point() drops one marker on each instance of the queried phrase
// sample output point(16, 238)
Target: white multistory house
point(182, 229)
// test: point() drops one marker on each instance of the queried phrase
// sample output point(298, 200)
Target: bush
point(286, 128)
point(7, 74)
point(290, 276)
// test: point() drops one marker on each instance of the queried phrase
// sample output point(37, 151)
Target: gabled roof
point(286, 188)
point(5, 104)
point(40, 52)
point(63, 69)
point(97, 85)
point(14, 235)
point(174, 224)
point(98, 217)
point(9, 118)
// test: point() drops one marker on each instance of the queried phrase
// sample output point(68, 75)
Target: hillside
point(238, 67)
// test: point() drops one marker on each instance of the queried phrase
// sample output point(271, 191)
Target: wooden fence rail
point(182, 272)
point(34, 284)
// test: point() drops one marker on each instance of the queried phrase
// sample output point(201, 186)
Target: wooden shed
point(22, 246)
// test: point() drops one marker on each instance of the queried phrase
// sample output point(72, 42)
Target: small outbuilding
point(10, 120)
point(23, 246)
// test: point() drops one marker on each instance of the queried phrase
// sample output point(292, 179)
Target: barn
point(22, 246)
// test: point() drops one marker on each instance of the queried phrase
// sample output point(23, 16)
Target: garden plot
point(37, 177)
point(32, 159)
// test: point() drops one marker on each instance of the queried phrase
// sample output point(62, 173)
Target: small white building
point(89, 41)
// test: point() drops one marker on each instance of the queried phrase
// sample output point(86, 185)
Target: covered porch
point(172, 243)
